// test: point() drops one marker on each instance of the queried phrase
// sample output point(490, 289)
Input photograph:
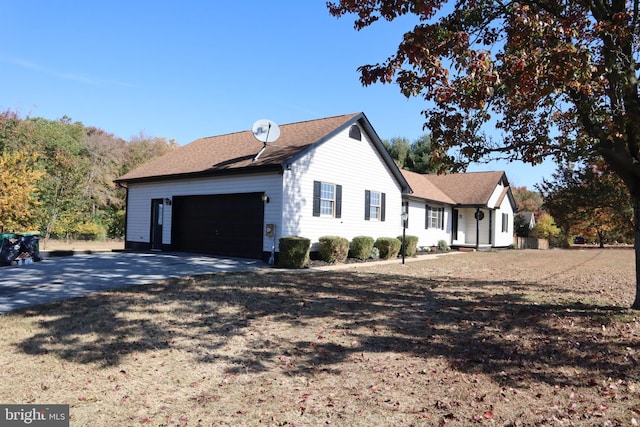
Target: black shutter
point(338, 201)
point(316, 198)
point(427, 211)
point(442, 219)
point(367, 205)
point(383, 206)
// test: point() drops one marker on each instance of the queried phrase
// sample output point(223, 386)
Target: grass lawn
point(510, 338)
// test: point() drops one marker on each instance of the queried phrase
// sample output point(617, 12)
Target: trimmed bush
point(443, 246)
point(411, 245)
point(333, 248)
point(294, 252)
point(91, 231)
point(361, 247)
point(388, 247)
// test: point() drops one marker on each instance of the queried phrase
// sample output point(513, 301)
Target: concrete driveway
point(55, 279)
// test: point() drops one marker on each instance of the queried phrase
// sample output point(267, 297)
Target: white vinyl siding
point(417, 224)
point(356, 166)
point(504, 233)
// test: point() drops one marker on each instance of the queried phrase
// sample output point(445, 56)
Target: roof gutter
point(203, 174)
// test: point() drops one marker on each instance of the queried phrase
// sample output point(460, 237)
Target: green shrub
point(388, 247)
point(443, 246)
point(361, 247)
point(116, 224)
point(90, 231)
point(411, 245)
point(333, 248)
point(294, 251)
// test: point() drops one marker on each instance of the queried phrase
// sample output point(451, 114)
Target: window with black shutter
point(374, 205)
point(327, 199)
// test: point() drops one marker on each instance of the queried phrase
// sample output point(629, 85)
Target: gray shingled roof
point(423, 188)
point(470, 188)
point(235, 151)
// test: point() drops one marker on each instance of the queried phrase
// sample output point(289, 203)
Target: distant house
point(524, 223)
point(329, 176)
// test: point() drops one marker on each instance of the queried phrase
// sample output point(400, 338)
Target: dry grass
point(80, 245)
point(515, 338)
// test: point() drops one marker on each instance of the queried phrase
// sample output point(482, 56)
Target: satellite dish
point(265, 131)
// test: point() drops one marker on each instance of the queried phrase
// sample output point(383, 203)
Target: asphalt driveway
point(55, 279)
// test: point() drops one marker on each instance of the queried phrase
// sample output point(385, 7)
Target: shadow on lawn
point(478, 327)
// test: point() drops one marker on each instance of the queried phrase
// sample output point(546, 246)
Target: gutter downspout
point(126, 210)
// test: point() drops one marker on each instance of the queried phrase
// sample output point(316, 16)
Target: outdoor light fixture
point(265, 198)
point(167, 201)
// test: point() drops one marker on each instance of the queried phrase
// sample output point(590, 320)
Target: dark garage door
point(224, 224)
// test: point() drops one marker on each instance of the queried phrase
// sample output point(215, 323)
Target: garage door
point(226, 224)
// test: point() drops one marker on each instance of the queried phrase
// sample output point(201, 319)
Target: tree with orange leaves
point(589, 200)
point(553, 78)
point(19, 177)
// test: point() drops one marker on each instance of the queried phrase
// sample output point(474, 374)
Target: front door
point(157, 217)
point(454, 225)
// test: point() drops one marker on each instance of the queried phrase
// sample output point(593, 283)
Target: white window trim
point(324, 200)
point(377, 208)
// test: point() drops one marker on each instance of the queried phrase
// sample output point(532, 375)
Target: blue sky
point(191, 69)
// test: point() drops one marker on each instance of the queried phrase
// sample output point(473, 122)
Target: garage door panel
point(229, 224)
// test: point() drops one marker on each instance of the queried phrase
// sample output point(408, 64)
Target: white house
point(465, 210)
point(330, 176)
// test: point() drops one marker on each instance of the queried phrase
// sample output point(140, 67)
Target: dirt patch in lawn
point(52, 245)
point(513, 338)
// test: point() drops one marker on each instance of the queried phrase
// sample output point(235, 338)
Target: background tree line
point(57, 176)
point(415, 156)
